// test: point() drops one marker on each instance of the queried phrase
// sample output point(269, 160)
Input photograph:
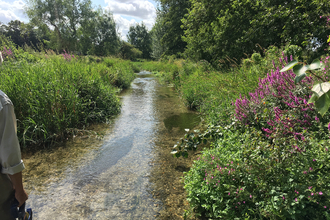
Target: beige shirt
point(10, 153)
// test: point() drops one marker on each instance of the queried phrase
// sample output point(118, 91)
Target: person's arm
point(20, 193)
point(10, 154)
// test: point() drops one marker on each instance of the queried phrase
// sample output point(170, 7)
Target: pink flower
point(229, 194)
point(320, 193)
point(250, 196)
point(296, 199)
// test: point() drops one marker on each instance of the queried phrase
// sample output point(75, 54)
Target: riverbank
point(270, 155)
point(57, 96)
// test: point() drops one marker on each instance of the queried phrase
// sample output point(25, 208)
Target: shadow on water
point(182, 121)
point(112, 177)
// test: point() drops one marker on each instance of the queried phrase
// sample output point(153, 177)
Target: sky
point(126, 12)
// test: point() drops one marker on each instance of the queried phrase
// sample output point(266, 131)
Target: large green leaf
point(321, 88)
point(289, 66)
point(298, 78)
point(323, 103)
point(300, 69)
point(316, 64)
point(313, 98)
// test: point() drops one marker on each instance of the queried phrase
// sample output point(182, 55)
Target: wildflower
point(229, 194)
point(310, 187)
point(312, 194)
point(250, 196)
point(296, 199)
point(320, 193)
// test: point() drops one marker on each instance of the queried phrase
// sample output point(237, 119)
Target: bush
point(256, 57)
point(244, 177)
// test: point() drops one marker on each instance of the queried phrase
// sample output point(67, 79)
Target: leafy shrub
point(128, 51)
point(244, 177)
point(293, 51)
point(279, 107)
point(256, 57)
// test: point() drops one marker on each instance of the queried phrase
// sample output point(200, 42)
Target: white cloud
point(12, 11)
point(139, 10)
point(123, 25)
point(136, 8)
point(6, 16)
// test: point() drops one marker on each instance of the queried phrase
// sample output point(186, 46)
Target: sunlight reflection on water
point(108, 178)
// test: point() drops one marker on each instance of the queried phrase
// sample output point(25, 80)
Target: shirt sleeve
point(10, 153)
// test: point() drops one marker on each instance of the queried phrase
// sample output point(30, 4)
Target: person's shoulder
point(4, 100)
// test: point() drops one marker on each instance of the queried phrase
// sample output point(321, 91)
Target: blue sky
point(126, 12)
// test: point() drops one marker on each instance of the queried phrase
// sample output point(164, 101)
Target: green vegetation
point(53, 94)
point(268, 129)
point(140, 38)
point(269, 148)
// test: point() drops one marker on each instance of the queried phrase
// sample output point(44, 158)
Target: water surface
point(109, 178)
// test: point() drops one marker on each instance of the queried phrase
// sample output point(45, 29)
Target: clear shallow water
point(108, 178)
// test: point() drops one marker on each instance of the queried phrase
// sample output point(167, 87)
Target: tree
point(140, 38)
point(22, 34)
point(128, 51)
point(157, 32)
point(99, 35)
point(229, 29)
point(65, 16)
point(173, 12)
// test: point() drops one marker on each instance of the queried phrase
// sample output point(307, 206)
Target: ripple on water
point(108, 178)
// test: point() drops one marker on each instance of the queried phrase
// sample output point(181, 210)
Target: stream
point(108, 176)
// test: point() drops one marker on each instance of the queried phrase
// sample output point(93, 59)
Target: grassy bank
point(269, 157)
point(55, 94)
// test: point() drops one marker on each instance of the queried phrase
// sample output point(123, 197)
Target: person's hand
point(21, 196)
point(20, 193)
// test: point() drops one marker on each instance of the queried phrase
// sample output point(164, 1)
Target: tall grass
point(52, 96)
point(206, 89)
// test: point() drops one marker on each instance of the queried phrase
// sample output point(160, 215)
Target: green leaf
point(300, 69)
point(316, 64)
point(323, 103)
point(289, 66)
point(313, 98)
point(321, 88)
point(298, 78)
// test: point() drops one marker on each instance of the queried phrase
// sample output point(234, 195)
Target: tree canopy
point(140, 38)
point(230, 29)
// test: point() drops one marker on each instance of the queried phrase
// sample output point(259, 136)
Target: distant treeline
point(215, 31)
point(223, 30)
point(76, 26)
